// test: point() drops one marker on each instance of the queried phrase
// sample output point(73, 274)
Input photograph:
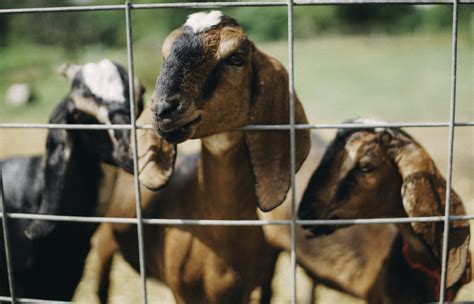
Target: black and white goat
point(48, 256)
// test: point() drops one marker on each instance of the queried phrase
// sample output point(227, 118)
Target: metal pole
point(6, 241)
point(452, 118)
point(138, 199)
point(291, 88)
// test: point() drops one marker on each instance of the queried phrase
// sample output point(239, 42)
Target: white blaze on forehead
point(201, 21)
point(103, 80)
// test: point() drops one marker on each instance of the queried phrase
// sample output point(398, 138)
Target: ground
point(397, 78)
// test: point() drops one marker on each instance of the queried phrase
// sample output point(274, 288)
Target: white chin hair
point(201, 21)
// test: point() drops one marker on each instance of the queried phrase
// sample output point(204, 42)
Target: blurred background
point(390, 62)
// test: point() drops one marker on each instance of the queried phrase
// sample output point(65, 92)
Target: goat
point(48, 257)
point(348, 260)
point(214, 80)
point(360, 176)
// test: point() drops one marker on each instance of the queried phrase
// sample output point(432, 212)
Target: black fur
point(48, 257)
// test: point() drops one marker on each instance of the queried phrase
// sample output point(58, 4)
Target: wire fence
point(127, 8)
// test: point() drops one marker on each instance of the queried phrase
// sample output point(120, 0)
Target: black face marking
point(186, 55)
point(344, 186)
point(212, 81)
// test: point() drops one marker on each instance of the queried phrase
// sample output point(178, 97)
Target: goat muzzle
point(316, 230)
point(177, 132)
point(173, 121)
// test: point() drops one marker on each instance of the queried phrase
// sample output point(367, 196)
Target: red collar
point(434, 274)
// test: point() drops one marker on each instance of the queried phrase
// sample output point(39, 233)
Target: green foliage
point(70, 30)
point(379, 18)
point(263, 23)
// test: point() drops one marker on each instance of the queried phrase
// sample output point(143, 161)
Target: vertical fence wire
point(138, 205)
point(291, 84)
point(6, 241)
point(452, 118)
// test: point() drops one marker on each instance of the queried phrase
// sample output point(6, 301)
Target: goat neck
point(223, 176)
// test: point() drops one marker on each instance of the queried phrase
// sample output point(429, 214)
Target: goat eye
point(366, 167)
point(236, 60)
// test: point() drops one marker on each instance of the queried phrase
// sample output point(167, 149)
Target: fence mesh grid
point(127, 8)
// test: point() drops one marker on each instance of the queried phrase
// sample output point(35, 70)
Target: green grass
point(397, 78)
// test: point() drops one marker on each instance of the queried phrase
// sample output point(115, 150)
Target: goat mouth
point(177, 134)
point(321, 230)
point(126, 165)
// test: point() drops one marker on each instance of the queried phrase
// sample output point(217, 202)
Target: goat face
point(386, 173)
point(206, 80)
point(355, 179)
point(100, 94)
point(213, 80)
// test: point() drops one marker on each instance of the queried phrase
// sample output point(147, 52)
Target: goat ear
point(156, 156)
point(139, 92)
point(423, 193)
point(59, 149)
point(168, 43)
point(69, 70)
point(270, 150)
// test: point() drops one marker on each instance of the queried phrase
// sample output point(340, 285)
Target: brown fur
point(361, 176)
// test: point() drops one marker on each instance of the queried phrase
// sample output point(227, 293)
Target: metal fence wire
point(127, 8)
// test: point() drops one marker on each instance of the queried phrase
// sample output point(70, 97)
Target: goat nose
point(166, 108)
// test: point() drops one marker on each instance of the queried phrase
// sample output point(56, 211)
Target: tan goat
point(213, 81)
point(360, 176)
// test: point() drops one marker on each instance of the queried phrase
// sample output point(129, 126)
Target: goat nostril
point(166, 109)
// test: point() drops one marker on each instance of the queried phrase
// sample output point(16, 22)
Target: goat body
point(49, 268)
point(201, 263)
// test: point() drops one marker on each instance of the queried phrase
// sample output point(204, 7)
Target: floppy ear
point(270, 150)
point(423, 193)
point(69, 70)
point(155, 155)
point(139, 92)
point(59, 147)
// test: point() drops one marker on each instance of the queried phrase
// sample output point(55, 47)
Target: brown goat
point(348, 260)
point(360, 176)
point(213, 81)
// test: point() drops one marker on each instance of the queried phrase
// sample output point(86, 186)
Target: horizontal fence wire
point(205, 222)
point(248, 127)
point(29, 300)
point(127, 7)
point(207, 5)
